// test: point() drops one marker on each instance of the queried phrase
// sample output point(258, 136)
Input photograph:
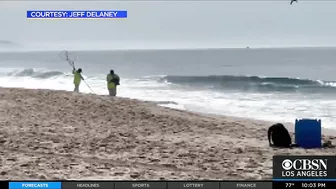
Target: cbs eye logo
point(287, 164)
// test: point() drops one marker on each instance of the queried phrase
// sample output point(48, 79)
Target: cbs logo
point(287, 164)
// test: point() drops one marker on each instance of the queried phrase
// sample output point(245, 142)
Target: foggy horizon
point(164, 24)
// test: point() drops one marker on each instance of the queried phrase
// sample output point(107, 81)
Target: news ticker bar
point(76, 14)
point(167, 184)
point(137, 185)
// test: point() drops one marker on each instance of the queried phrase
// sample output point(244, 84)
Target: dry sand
point(48, 134)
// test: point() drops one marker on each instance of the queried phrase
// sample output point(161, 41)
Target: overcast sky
point(178, 23)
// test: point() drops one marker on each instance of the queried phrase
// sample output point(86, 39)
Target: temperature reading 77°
point(289, 185)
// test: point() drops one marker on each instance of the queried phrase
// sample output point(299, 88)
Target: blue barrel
point(308, 133)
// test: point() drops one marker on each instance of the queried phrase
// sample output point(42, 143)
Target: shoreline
point(289, 125)
point(49, 134)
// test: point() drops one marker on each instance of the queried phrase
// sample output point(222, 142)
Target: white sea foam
point(280, 95)
point(265, 106)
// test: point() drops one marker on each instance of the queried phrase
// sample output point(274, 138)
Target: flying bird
point(293, 1)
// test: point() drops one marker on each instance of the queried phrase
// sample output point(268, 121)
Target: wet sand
point(47, 134)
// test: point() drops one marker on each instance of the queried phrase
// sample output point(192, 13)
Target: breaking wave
point(257, 83)
point(215, 82)
point(41, 74)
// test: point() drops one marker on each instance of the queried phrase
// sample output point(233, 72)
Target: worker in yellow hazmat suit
point(77, 78)
point(113, 81)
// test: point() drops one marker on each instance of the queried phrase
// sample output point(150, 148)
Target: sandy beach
point(47, 134)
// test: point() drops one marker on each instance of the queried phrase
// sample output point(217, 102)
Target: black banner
point(166, 184)
point(304, 184)
point(304, 167)
point(135, 184)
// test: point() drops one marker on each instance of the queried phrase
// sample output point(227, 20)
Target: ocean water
point(279, 84)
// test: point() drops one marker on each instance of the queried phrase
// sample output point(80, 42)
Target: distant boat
point(7, 43)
